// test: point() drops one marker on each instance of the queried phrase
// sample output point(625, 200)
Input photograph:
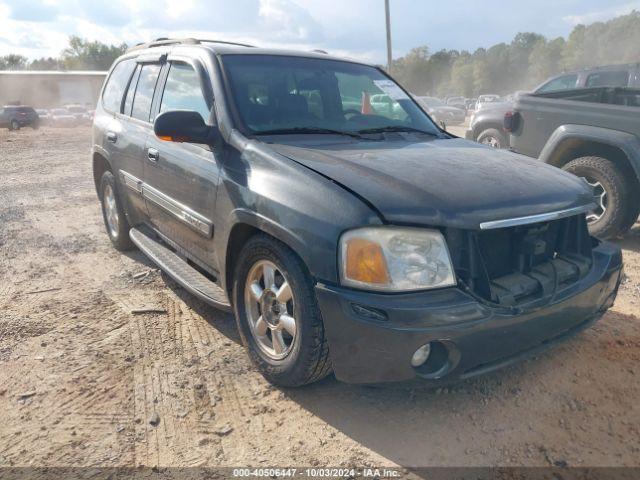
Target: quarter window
point(143, 97)
point(565, 82)
point(183, 91)
point(117, 82)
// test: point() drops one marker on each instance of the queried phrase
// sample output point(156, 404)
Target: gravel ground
point(85, 382)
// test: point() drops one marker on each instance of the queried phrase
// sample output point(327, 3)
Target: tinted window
point(117, 82)
point(128, 101)
point(183, 91)
point(561, 83)
point(608, 79)
point(144, 92)
point(282, 93)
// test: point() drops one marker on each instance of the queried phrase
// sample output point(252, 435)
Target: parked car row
point(69, 116)
point(441, 112)
point(15, 117)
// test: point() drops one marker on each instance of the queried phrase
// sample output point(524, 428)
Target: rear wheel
point(277, 314)
point(612, 193)
point(15, 125)
point(115, 220)
point(493, 137)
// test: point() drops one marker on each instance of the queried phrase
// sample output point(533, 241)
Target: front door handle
point(153, 155)
point(112, 137)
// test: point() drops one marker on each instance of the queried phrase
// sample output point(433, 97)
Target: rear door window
point(143, 97)
point(608, 79)
point(183, 91)
point(116, 84)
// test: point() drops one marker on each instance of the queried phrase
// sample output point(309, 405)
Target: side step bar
point(178, 269)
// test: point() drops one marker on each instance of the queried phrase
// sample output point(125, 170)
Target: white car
point(483, 100)
point(61, 117)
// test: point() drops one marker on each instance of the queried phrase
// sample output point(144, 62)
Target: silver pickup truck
point(593, 133)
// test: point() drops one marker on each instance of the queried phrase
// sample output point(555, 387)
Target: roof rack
point(162, 41)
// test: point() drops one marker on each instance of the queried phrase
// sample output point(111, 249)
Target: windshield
point(283, 93)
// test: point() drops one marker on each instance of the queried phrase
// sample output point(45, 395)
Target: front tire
point(277, 314)
point(612, 194)
point(15, 125)
point(113, 214)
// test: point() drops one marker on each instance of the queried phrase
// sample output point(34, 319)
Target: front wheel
point(277, 314)
point(15, 125)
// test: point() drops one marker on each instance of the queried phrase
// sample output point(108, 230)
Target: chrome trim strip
point(542, 217)
point(134, 183)
point(183, 213)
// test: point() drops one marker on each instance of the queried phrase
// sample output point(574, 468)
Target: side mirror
point(183, 126)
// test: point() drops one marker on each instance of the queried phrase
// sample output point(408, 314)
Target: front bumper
point(373, 336)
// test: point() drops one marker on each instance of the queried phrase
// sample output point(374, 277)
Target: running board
point(178, 269)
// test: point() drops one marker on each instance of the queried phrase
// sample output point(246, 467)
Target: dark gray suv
point(345, 238)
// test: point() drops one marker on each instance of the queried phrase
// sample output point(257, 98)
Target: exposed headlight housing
point(395, 259)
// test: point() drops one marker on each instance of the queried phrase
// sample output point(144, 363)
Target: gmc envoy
point(346, 235)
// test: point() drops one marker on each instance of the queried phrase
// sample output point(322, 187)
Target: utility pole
point(388, 18)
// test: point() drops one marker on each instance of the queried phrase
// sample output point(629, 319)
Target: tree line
point(81, 54)
point(522, 64)
point(503, 68)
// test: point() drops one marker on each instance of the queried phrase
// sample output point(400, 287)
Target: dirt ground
point(85, 382)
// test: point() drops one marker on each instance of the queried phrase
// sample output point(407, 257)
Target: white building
point(45, 89)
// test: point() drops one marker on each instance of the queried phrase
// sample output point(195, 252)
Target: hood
point(444, 182)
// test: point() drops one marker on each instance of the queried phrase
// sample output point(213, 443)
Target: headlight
point(395, 259)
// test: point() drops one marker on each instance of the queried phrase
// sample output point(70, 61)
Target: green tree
point(13, 62)
point(85, 55)
point(546, 59)
point(412, 69)
point(49, 63)
point(462, 80)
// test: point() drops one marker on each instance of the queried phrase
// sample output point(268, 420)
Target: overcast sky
point(354, 28)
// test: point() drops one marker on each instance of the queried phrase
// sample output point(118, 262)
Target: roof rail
point(162, 41)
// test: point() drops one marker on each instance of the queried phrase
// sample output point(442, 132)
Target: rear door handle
point(153, 155)
point(112, 137)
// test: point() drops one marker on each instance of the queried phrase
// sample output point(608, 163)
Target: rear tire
point(115, 220)
point(15, 125)
point(492, 137)
point(619, 209)
point(305, 356)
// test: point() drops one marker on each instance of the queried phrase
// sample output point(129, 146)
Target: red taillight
point(508, 122)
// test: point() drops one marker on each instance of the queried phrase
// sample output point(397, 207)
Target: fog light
point(420, 356)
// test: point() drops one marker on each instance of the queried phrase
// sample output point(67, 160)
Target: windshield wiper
point(396, 128)
point(297, 130)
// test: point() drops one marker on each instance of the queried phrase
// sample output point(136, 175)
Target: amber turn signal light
point(365, 262)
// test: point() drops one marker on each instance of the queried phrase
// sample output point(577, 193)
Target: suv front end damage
point(519, 290)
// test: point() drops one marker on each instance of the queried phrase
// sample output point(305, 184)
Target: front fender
point(566, 135)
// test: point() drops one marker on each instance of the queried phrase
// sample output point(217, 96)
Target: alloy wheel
point(111, 210)
point(600, 198)
point(270, 310)
point(491, 141)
